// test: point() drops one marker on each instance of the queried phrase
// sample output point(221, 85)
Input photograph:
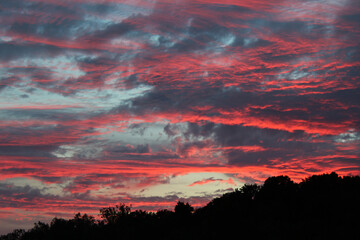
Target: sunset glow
point(147, 102)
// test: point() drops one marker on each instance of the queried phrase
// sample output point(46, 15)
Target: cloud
point(210, 180)
point(102, 100)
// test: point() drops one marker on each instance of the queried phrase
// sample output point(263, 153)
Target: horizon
point(330, 190)
point(148, 102)
point(100, 217)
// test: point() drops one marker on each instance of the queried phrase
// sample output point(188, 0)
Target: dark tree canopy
point(183, 210)
point(320, 207)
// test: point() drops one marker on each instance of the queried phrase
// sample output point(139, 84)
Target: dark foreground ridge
point(323, 206)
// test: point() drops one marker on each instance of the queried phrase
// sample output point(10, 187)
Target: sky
point(147, 102)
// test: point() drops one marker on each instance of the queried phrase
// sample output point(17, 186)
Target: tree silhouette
point(17, 234)
point(322, 206)
point(113, 214)
point(183, 210)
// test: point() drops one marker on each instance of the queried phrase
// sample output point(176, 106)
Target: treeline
point(323, 206)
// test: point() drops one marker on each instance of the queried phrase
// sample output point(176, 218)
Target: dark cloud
point(18, 170)
point(276, 144)
point(28, 151)
point(13, 51)
point(141, 148)
point(352, 18)
point(27, 193)
point(171, 130)
point(112, 31)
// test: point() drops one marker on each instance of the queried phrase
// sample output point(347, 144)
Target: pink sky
point(150, 102)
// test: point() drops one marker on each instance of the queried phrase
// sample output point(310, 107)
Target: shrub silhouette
point(320, 207)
